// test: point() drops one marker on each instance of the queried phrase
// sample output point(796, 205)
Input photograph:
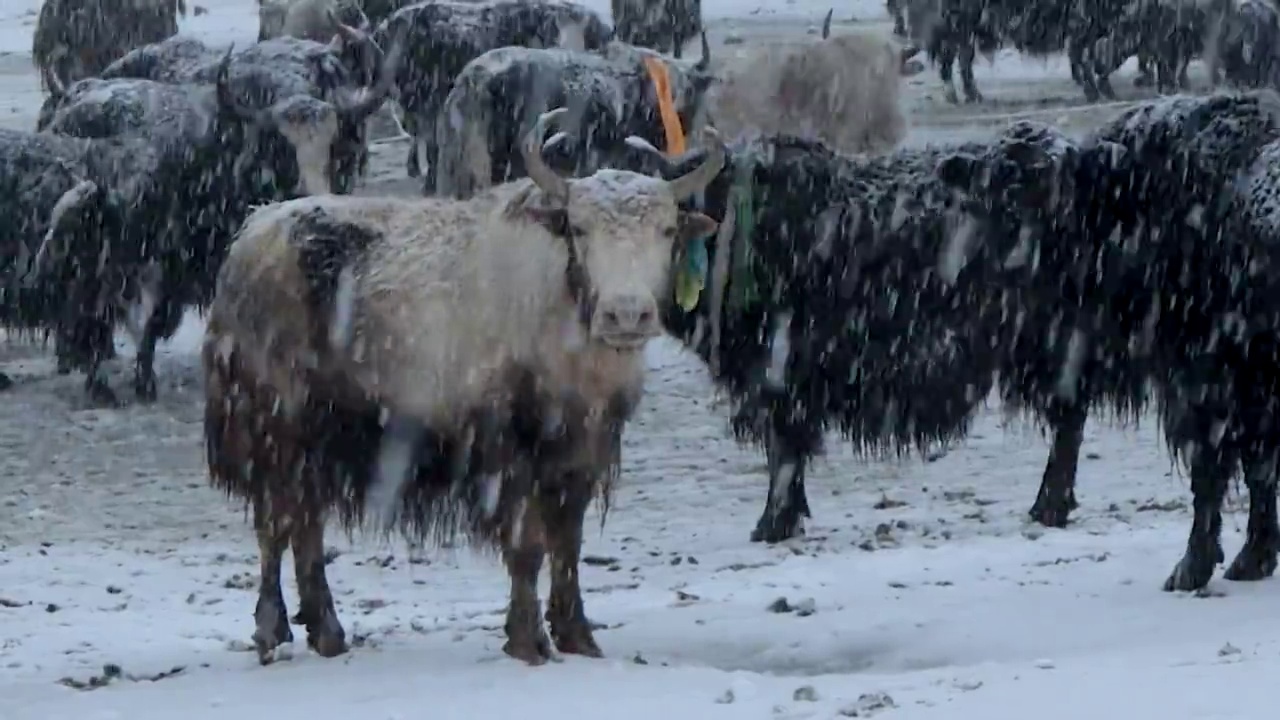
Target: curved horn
point(345, 32)
point(555, 187)
point(360, 105)
point(705, 62)
point(226, 99)
point(826, 24)
point(50, 250)
point(51, 80)
point(698, 178)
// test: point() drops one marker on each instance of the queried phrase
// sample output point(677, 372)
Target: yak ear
point(694, 225)
point(957, 171)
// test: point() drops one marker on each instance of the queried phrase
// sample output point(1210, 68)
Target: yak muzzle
point(626, 322)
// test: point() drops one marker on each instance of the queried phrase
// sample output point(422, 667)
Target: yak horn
point(556, 187)
point(50, 250)
point(700, 177)
point(826, 24)
point(366, 101)
point(56, 88)
point(227, 99)
point(705, 62)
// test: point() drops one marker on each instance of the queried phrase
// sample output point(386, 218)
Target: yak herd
point(466, 362)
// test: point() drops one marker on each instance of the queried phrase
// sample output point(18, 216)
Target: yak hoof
point(574, 637)
point(772, 530)
point(952, 97)
point(1193, 572)
point(1054, 517)
point(145, 389)
point(100, 394)
point(271, 643)
point(6, 382)
point(973, 97)
point(1255, 562)
point(1054, 512)
point(1090, 94)
point(1104, 87)
point(328, 642)
point(533, 648)
point(1143, 80)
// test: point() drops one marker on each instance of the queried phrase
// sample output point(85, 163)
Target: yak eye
point(669, 231)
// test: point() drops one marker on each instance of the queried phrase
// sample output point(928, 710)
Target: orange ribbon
point(666, 106)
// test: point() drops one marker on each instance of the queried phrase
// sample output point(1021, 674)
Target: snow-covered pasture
point(919, 591)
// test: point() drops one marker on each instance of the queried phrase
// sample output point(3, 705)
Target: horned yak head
point(1032, 187)
point(622, 229)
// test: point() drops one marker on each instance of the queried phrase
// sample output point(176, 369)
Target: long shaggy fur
point(76, 39)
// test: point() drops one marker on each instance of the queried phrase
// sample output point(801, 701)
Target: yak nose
point(626, 320)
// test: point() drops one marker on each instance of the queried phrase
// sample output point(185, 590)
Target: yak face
point(316, 146)
point(1020, 188)
point(1043, 199)
point(621, 228)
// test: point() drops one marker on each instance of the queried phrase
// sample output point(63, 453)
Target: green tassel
point(742, 284)
point(692, 277)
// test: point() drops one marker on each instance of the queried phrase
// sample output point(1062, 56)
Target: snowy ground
point(921, 592)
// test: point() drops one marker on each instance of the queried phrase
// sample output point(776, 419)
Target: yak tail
point(52, 251)
point(464, 164)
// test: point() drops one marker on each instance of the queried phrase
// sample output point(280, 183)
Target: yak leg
point(1210, 474)
point(1257, 559)
point(409, 121)
point(523, 551)
point(968, 53)
point(1057, 496)
point(315, 601)
point(96, 385)
point(1088, 76)
point(1145, 75)
point(787, 504)
point(271, 616)
point(430, 152)
point(946, 62)
point(563, 517)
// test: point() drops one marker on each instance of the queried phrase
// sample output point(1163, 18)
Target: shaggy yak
point(341, 378)
point(317, 20)
point(842, 90)
point(75, 39)
point(611, 100)
point(443, 36)
point(1156, 239)
point(860, 295)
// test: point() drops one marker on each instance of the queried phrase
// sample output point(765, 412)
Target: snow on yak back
point(341, 378)
point(662, 25)
point(842, 90)
point(1191, 294)
point(444, 36)
point(498, 95)
point(305, 100)
point(75, 39)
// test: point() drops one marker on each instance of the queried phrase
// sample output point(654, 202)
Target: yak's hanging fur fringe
point(468, 482)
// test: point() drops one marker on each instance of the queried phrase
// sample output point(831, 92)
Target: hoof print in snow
point(868, 704)
point(885, 503)
point(803, 608)
point(805, 693)
point(725, 698)
point(112, 673)
point(1228, 650)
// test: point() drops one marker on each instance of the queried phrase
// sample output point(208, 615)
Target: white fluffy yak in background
point(843, 91)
